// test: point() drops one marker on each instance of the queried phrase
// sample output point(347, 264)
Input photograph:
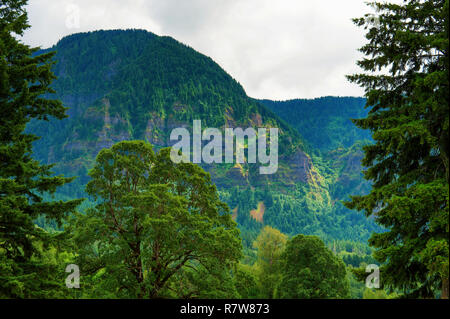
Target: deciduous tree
point(270, 244)
point(155, 221)
point(310, 270)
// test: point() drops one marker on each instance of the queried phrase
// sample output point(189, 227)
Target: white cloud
point(276, 49)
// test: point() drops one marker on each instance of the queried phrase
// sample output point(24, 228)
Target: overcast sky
point(277, 49)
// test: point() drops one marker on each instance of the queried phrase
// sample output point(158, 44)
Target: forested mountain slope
point(324, 122)
point(123, 85)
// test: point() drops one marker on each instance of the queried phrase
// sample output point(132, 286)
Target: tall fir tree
point(407, 88)
point(25, 80)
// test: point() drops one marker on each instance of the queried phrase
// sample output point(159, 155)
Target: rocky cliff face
point(122, 85)
point(108, 129)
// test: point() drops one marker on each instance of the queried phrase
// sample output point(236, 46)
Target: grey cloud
point(275, 49)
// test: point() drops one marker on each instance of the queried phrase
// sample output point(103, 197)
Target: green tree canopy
point(156, 227)
point(310, 270)
point(408, 163)
point(246, 281)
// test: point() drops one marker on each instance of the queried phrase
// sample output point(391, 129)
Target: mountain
point(324, 122)
point(133, 84)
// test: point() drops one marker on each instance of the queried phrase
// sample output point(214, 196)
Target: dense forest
point(86, 178)
point(302, 197)
point(324, 122)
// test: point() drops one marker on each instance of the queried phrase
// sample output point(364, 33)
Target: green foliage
point(150, 84)
point(270, 244)
point(378, 294)
point(131, 84)
point(24, 81)
point(246, 282)
point(324, 122)
point(356, 286)
point(408, 162)
point(154, 222)
point(152, 228)
point(212, 282)
point(310, 270)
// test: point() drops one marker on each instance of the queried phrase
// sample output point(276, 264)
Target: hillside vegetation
point(124, 85)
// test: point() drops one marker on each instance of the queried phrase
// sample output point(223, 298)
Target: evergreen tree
point(24, 84)
point(408, 162)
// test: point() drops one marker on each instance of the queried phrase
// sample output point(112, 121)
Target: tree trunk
point(444, 293)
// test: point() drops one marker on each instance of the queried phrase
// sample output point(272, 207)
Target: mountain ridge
point(130, 84)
